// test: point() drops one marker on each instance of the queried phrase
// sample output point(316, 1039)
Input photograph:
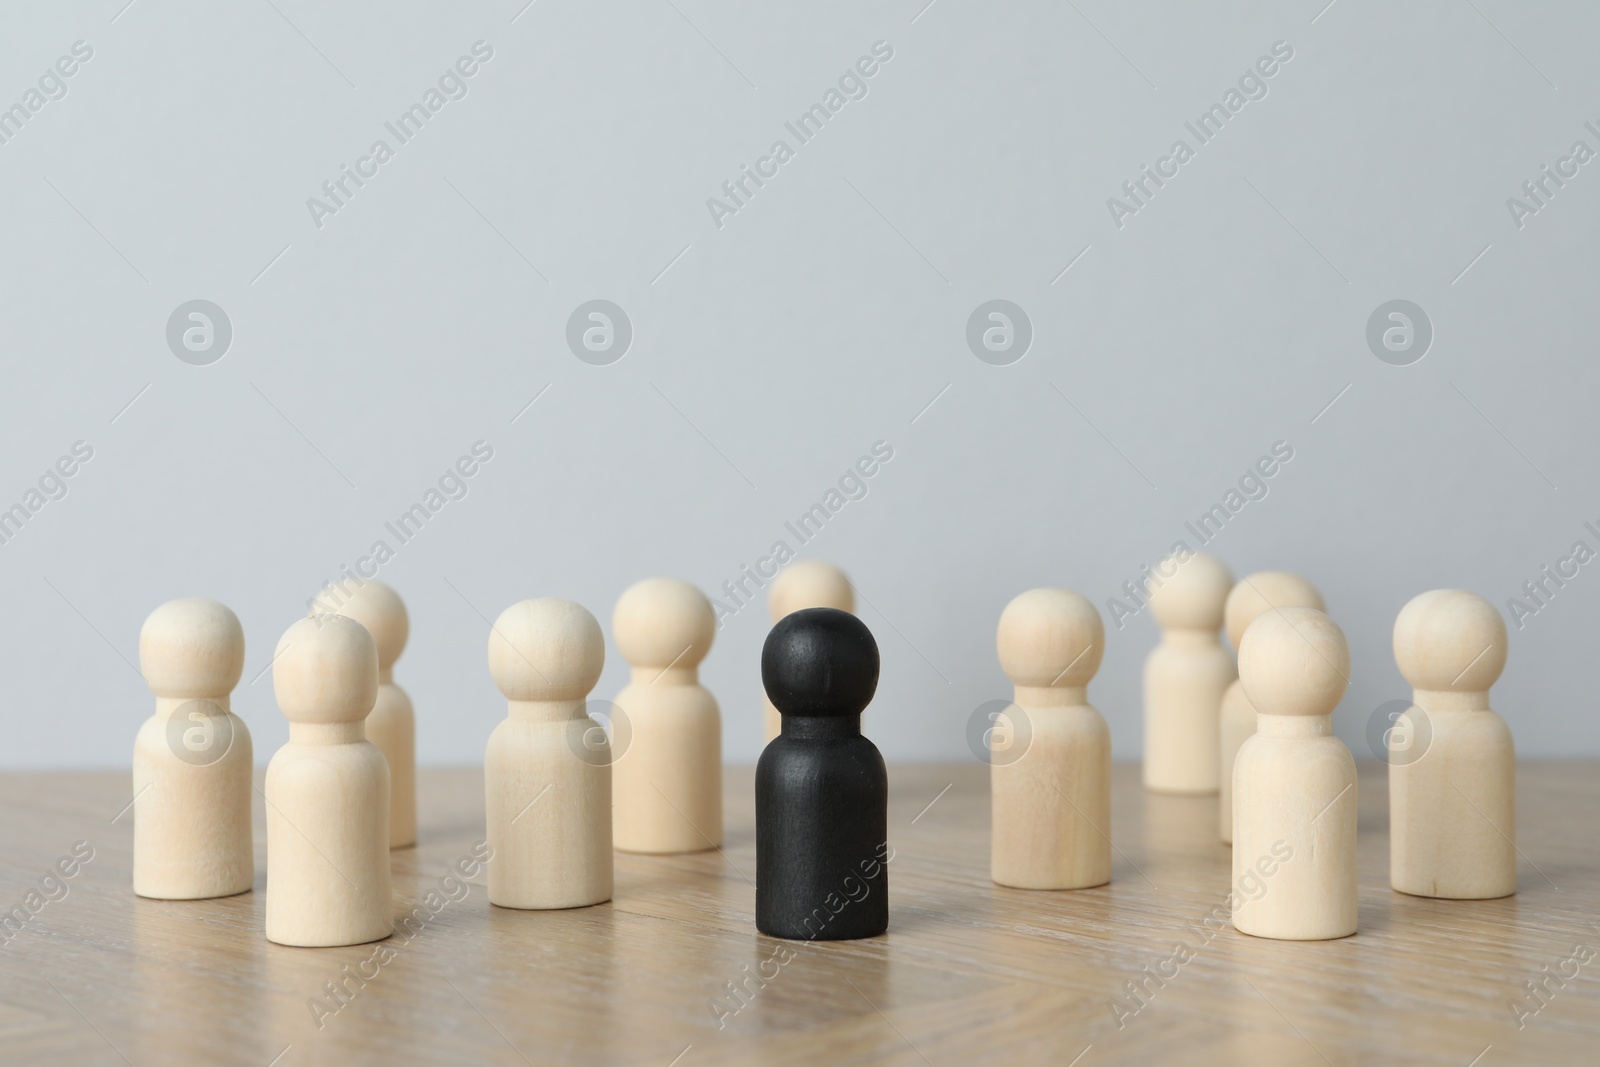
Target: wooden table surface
point(968, 973)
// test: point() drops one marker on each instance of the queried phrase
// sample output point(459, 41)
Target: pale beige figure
point(1050, 763)
point(1452, 767)
point(806, 583)
point(667, 781)
point(1294, 784)
point(1253, 595)
point(327, 792)
point(547, 769)
point(1186, 675)
point(392, 726)
point(192, 758)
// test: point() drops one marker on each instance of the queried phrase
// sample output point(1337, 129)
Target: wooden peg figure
point(1294, 784)
point(192, 759)
point(806, 583)
point(1452, 763)
point(547, 769)
point(327, 792)
point(392, 725)
point(1185, 676)
point(1259, 592)
point(668, 783)
point(1052, 799)
point(821, 788)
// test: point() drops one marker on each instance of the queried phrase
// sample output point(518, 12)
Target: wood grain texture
point(969, 972)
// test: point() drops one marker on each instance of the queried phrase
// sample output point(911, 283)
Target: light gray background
point(825, 316)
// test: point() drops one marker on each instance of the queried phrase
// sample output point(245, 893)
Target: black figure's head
point(820, 661)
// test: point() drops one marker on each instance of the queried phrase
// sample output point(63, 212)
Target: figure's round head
point(820, 661)
point(810, 583)
point(546, 649)
point(1264, 591)
point(1050, 637)
point(380, 609)
point(325, 670)
point(1450, 640)
point(191, 648)
point(1294, 661)
point(1190, 594)
point(663, 622)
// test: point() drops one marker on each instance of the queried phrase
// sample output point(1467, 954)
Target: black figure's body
point(822, 792)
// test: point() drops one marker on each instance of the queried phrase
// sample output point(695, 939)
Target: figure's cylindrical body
point(191, 820)
point(822, 848)
point(1294, 831)
point(1452, 763)
point(328, 880)
point(1452, 812)
point(1235, 725)
point(667, 787)
point(1184, 679)
point(1051, 808)
point(392, 726)
point(547, 782)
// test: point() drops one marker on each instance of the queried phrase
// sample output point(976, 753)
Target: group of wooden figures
point(1259, 735)
point(560, 793)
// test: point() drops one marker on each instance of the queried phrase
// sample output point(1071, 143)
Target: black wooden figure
point(822, 792)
